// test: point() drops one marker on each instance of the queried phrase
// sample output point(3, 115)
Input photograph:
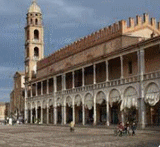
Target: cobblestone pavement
point(57, 136)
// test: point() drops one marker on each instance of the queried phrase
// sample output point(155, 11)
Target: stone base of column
point(107, 123)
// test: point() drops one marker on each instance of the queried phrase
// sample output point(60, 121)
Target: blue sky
point(64, 22)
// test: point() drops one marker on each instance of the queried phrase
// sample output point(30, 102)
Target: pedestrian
point(120, 128)
point(72, 126)
point(133, 129)
point(127, 128)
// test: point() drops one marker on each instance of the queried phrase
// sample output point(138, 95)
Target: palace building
point(109, 76)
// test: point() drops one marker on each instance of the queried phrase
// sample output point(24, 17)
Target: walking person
point(72, 126)
point(133, 129)
point(127, 128)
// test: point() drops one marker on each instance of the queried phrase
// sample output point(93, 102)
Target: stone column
point(31, 114)
point(64, 81)
point(83, 111)
point(36, 90)
point(42, 88)
point(31, 90)
point(94, 73)
point(107, 109)
point(55, 112)
point(121, 58)
point(95, 111)
point(48, 113)
point(55, 84)
point(64, 111)
point(36, 109)
point(26, 108)
point(141, 71)
point(122, 117)
point(47, 86)
point(73, 85)
point(83, 76)
point(107, 75)
point(42, 112)
point(73, 111)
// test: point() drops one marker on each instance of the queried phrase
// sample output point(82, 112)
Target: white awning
point(69, 101)
point(100, 97)
point(152, 98)
point(128, 102)
point(59, 102)
point(114, 97)
point(88, 101)
point(77, 100)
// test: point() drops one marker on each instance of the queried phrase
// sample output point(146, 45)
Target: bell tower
point(34, 44)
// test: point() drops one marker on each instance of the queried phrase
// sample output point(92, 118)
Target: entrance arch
point(114, 100)
point(59, 109)
point(101, 107)
point(152, 99)
point(78, 109)
point(69, 109)
point(129, 105)
point(88, 103)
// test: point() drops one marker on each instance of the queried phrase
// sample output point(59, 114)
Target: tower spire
point(34, 1)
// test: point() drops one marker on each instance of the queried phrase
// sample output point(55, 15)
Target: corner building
point(109, 76)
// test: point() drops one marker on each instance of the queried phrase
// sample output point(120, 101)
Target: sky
point(64, 21)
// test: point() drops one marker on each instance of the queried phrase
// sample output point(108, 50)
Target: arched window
point(36, 34)
point(28, 35)
point(36, 52)
point(31, 21)
point(27, 52)
point(36, 21)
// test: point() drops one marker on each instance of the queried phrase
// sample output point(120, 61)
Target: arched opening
point(36, 21)
point(69, 109)
point(51, 113)
point(44, 112)
point(59, 110)
point(31, 21)
point(152, 99)
point(28, 35)
point(88, 102)
point(36, 52)
point(38, 112)
point(115, 99)
point(129, 105)
point(78, 109)
point(36, 34)
point(101, 107)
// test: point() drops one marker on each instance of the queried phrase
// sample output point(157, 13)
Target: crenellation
point(138, 20)
point(153, 22)
point(123, 25)
point(131, 22)
point(146, 18)
point(158, 26)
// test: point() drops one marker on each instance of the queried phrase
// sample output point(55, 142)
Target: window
point(31, 21)
point(130, 67)
point(28, 35)
point(27, 52)
point(36, 21)
point(36, 34)
point(36, 52)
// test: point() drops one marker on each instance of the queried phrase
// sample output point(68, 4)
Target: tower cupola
point(34, 8)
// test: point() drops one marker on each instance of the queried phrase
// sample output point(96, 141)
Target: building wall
point(152, 56)
point(2, 111)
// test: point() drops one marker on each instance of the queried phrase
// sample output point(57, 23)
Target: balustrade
point(110, 83)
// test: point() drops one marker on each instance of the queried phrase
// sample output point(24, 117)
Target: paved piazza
point(57, 136)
